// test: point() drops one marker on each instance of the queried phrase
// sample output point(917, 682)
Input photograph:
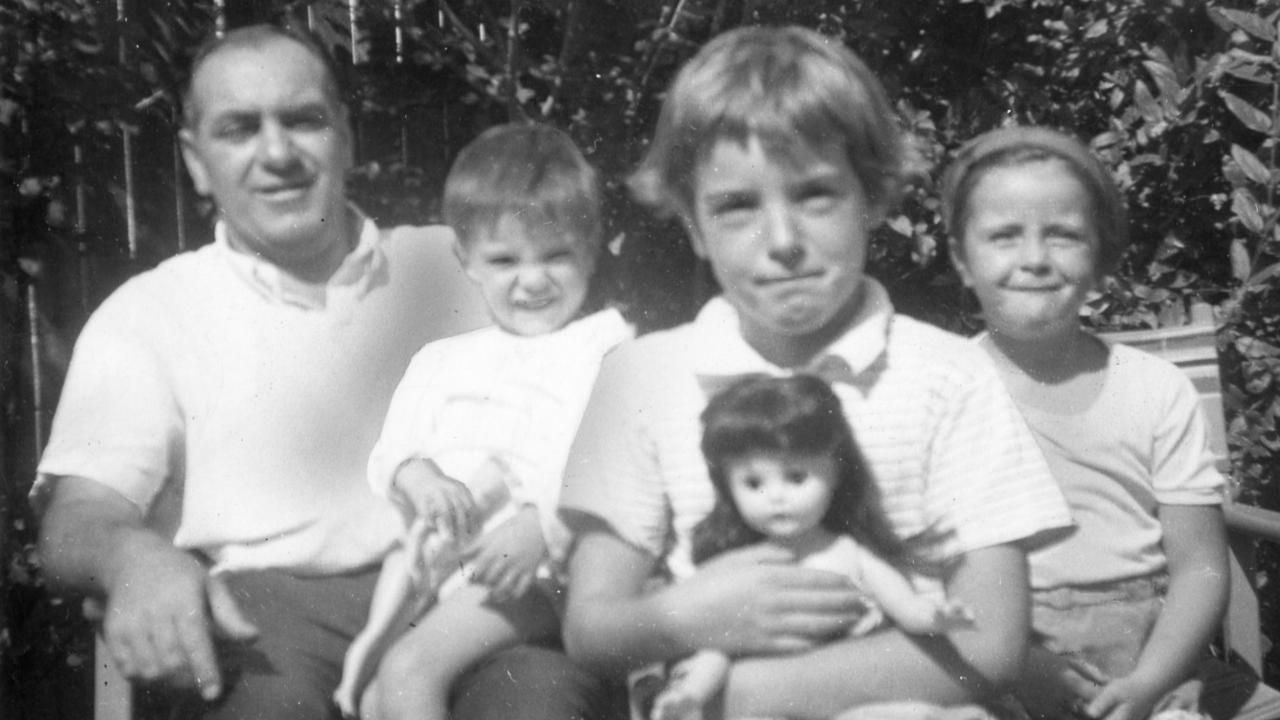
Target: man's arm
point(749, 601)
point(161, 606)
point(991, 582)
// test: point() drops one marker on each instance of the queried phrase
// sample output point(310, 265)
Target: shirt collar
point(354, 275)
point(719, 349)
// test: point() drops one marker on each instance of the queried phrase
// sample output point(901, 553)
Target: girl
point(780, 152)
point(1125, 605)
point(786, 471)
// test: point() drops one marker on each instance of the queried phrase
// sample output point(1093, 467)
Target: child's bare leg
point(419, 670)
point(694, 682)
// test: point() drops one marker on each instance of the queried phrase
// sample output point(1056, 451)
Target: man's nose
point(276, 147)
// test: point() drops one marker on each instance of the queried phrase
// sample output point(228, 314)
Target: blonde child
point(780, 152)
point(787, 471)
point(1124, 607)
point(475, 440)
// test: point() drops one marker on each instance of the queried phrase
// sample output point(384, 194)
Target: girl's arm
point(911, 611)
point(991, 582)
point(1195, 542)
point(747, 601)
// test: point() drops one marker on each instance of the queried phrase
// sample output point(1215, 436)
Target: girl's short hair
point(1014, 146)
point(785, 86)
point(795, 414)
point(530, 171)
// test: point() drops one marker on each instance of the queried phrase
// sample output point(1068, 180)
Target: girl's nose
point(782, 238)
point(1033, 251)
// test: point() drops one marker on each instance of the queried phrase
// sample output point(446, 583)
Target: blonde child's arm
point(424, 490)
point(911, 611)
point(1195, 542)
point(891, 665)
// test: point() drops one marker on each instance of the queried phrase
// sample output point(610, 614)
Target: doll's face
point(782, 495)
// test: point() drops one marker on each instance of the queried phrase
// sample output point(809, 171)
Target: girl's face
point(1029, 249)
point(787, 240)
point(533, 283)
point(782, 495)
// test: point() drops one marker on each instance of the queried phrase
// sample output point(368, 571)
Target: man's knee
point(534, 683)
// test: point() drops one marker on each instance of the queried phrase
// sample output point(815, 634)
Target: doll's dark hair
point(799, 413)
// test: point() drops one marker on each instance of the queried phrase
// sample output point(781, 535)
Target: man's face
point(272, 145)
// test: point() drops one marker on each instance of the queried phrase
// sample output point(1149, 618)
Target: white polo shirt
point(250, 400)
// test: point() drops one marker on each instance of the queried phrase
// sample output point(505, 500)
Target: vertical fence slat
point(37, 367)
point(130, 201)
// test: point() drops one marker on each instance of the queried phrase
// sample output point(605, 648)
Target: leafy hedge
point(1181, 97)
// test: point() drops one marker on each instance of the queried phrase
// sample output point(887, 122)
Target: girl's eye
point(752, 483)
point(796, 477)
point(818, 197)
point(501, 261)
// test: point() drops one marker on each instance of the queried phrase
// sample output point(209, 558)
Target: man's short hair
point(257, 36)
point(529, 171)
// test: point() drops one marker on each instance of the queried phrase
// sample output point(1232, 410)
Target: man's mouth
point(797, 277)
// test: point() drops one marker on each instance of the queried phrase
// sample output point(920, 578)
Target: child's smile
point(1029, 248)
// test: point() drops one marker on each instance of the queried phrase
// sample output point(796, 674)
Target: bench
point(1192, 348)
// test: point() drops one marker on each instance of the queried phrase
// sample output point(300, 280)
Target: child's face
point(1029, 249)
point(787, 241)
point(533, 283)
point(782, 495)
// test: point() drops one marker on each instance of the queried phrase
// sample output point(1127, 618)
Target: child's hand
point(1053, 686)
point(426, 492)
point(506, 558)
point(952, 615)
point(1128, 698)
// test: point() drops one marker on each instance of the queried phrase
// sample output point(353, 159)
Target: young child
point(485, 415)
point(1124, 607)
point(786, 470)
point(780, 152)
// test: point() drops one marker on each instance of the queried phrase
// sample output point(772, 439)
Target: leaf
point(1146, 103)
point(1253, 168)
point(1166, 79)
point(1241, 265)
point(901, 225)
point(1262, 276)
point(1252, 117)
point(1246, 21)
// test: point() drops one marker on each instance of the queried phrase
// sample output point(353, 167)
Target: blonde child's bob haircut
point(1022, 145)
point(529, 171)
point(789, 87)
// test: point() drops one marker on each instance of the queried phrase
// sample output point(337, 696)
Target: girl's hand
point(1128, 698)
point(1055, 687)
point(506, 559)
point(420, 488)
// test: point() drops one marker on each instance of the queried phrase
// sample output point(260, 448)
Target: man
point(236, 391)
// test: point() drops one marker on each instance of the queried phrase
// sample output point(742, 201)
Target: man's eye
point(235, 130)
point(501, 261)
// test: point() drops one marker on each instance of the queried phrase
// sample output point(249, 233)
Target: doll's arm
point(912, 612)
point(694, 682)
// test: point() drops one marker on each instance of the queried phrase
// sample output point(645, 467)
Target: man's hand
point(506, 558)
point(420, 488)
point(1128, 698)
point(162, 611)
point(755, 601)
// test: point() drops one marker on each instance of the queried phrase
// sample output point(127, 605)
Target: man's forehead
point(274, 72)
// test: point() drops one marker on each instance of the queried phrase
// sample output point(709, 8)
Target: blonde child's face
point(782, 495)
point(1029, 249)
point(533, 283)
point(787, 241)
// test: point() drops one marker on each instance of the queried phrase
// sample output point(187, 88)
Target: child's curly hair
point(800, 414)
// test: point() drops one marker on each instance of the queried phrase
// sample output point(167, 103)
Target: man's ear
point(195, 164)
